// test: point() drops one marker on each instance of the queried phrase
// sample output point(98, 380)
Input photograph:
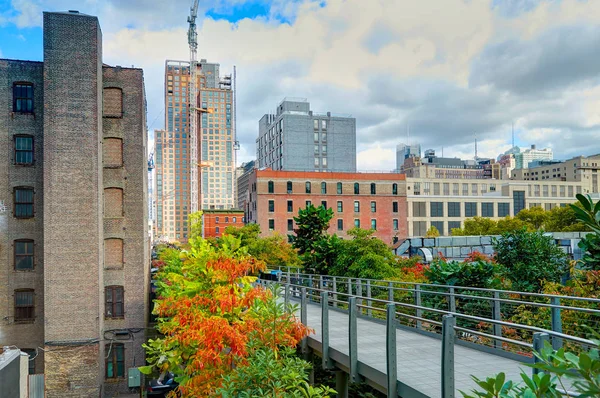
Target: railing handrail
point(545, 295)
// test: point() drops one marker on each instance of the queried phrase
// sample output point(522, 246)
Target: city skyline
point(437, 78)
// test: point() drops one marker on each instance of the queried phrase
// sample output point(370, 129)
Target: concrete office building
point(523, 158)
point(405, 151)
point(216, 147)
point(296, 138)
point(432, 166)
point(74, 253)
point(446, 204)
point(366, 200)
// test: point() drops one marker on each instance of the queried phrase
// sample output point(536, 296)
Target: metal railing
point(453, 327)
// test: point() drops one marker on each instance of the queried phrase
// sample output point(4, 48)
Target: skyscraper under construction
point(215, 140)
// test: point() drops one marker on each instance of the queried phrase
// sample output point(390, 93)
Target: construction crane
point(192, 89)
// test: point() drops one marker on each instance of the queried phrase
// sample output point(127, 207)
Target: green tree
point(476, 226)
point(534, 216)
point(195, 225)
point(432, 232)
point(312, 224)
point(530, 258)
point(589, 214)
point(511, 224)
point(563, 219)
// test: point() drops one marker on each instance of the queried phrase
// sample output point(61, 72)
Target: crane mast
point(193, 42)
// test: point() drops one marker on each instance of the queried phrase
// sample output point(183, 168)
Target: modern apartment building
point(583, 169)
point(74, 250)
point(445, 204)
point(243, 183)
point(523, 158)
point(216, 147)
point(405, 151)
point(365, 200)
point(296, 138)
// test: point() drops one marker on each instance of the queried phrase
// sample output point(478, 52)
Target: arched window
point(308, 189)
point(112, 152)
point(271, 187)
point(339, 188)
point(113, 253)
point(373, 188)
point(289, 187)
point(323, 187)
point(356, 188)
point(394, 189)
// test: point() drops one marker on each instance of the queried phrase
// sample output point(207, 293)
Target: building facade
point(296, 138)
point(74, 246)
point(405, 151)
point(431, 166)
point(523, 158)
point(446, 204)
point(365, 200)
point(243, 181)
point(214, 222)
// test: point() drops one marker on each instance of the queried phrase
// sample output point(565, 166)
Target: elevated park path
point(423, 340)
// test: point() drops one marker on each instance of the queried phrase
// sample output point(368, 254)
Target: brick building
point(366, 200)
point(214, 222)
point(74, 254)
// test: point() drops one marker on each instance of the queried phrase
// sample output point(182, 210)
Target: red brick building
point(366, 200)
point(214, 222)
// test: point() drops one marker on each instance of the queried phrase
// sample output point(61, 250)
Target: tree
point(530, 258)
point(535, 216)
point(212, 317)
point(589, 214)
point(195, 225)
point(477, 226)
point(432, 232)
point(311, 223)
point(511, 224)
point(563, 219)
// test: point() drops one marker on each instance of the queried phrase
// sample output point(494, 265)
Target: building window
point(339, 188)
point(324, 204)
point(470, 209)
point(419, 209)
point(308, 203)
point(217, 230)
point(437, 209)
point(323, 187)
point(487, 210)
point(453, 225)
point(373, 207)
point(395, 207)
point(519, 200)
point(113, 253)
point(23, 199)
point(217, 220)
point(112, 102)
point(419, 228)
point(317, 163)
point(503, 209)
point(373, 188)
point(290, 225)
point(226, 220)
point(307, 186)
point(289, 187)
point(234, 220)
point(31, 362)
point(271, 187)
point(23, 251)
point(113, 300)
point(356, 206)
point(439, 225)
point(395, 224)
point(113, 202)
point(271, 224)
point(340, 224)
point(356, 223)
point(271, 206)
point(23, 98)
point(453, 209)
point(290, 206)
point(340, 206)
point(356, 188)
point(394, 189)
point(24, 307)
point(115, 360)
point(374, 224)
point(23, 149)
point(112, 153)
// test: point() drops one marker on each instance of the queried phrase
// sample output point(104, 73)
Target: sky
point(448, 71)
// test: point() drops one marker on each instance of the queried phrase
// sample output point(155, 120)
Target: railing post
point(390, 348)
point(310, 286)
point(359, 294)
point(451, 300)
point(353, 340)
point(341, 384)
point(418, 303)
point(350, 286)
point(390, 291)
point(369, 312)
point(448, 337)
point(303, 319)
point(557, 342)
point(325, 330)
point(334, 287)
point(539, 340)
point(321, 282)
point(497, 316)
point(286, 295)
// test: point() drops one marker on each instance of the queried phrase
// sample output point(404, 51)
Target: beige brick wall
point(113, 202)
point(113, 253)
point(112, 102)
point(112, 152)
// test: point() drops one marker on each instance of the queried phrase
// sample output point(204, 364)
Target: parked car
point(162, 388)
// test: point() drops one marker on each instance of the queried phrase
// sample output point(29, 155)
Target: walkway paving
point(419, 357)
